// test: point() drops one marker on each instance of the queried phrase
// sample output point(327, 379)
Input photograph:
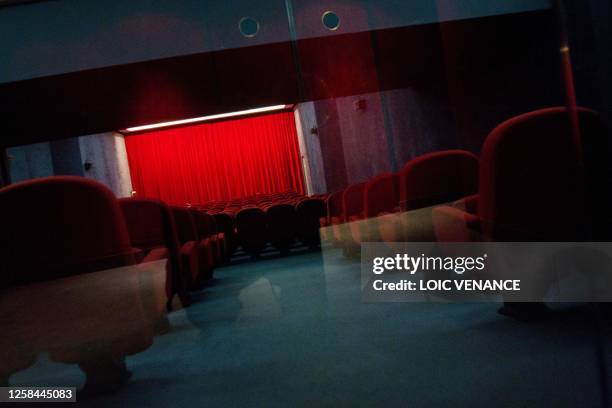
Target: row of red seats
point(276, 218)
point(542, 176)
point(79, 229)
point(430, 179)
point(280, 224)
point(188, 238)
point(82, 228)
point(56, 232)
point(258, 200)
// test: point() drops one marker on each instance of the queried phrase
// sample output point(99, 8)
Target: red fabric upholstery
point(156, 254)
point(309, 212)
point(54, 231)
point(282, 226)
point(334, 207)
point(206, 241)
point(428, 180)
point(334, 217)
point(218, 237)
point(190, 250)
point(352, 210)
point(151, 227)
point(381, 195)
point(252, 230)
point(225, 224)
point(532, 185)
point(438, 177)
point(352, 202)
point(73, 225)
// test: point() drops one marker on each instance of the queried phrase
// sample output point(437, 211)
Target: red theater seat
point(532, 186)
point(334, 218)
point(225, 224)
point(352, 212)
point(151, 228)
point(190, 248)
point(63, 243)
point(428, 180)
point(438, 177)
point(252, 230)
point(352, 202)
point(310, 211)
point(381, 197)
point(541, 179)
point(218, 238)
point(282, 222)
point(206, 242)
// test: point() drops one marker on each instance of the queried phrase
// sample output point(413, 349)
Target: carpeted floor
point(292, 331)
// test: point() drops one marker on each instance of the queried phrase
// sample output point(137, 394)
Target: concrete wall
point(66, 156)
point(310, 147)
point(105, 152)
point(106, 160)
point(29, 162)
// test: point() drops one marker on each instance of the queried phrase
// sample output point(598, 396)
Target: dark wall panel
point(478, 71)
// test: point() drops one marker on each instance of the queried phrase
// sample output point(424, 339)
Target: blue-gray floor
point(293, 332)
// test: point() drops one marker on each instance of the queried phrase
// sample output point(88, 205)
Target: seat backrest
point(225, 223)
point(151, 224)
point(309, 213)
point(281, 223)
point(438, 177)
point(59, 226)
point(381, 195)
point(311, 208)
point(251, 227)
point(334, 205)
point(532, 185)
point(202, 224)
point(211, 222)
point(281, 208)
point(185, 225)
point(149, 221)
point(353, 201)
point(250, 219)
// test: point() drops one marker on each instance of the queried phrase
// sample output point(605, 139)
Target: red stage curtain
point(217, 161)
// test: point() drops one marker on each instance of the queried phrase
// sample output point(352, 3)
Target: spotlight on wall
point(205, 118)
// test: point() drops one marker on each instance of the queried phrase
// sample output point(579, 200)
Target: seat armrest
point(452, 224)
point(188, 247)
point(155, 255)
point(467, 204)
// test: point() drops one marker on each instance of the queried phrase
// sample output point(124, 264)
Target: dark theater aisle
point(292, 331)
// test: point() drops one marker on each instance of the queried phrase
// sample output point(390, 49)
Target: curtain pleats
point(217, 161)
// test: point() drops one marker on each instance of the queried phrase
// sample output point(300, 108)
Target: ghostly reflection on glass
point(259, 300)
point(93, 320)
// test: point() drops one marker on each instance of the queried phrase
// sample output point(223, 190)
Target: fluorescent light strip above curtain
point(205, 118)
